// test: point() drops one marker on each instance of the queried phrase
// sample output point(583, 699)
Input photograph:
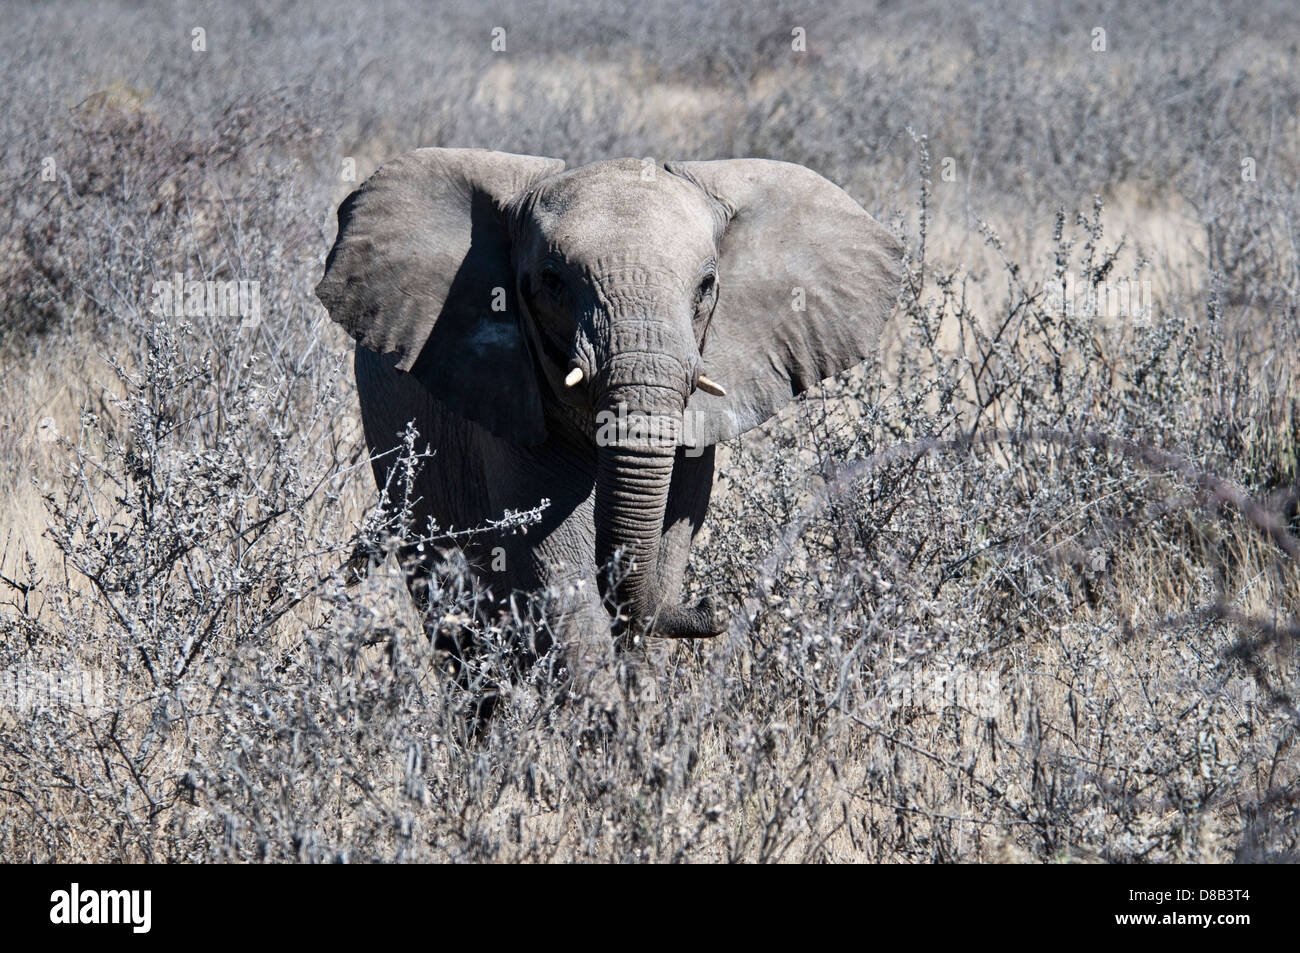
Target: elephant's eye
point(552, 282)
point(705, 292)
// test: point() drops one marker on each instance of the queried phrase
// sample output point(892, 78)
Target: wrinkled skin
point(476, 282)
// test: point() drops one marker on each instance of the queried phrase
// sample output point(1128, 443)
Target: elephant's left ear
point(807, 280)
point(422, 269)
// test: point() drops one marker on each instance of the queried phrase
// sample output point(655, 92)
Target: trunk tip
point(705, 620)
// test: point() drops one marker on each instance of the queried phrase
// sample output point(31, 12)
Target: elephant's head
point(655, 306)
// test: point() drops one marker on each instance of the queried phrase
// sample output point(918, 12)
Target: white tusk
point(710, 387)
point(573, 377)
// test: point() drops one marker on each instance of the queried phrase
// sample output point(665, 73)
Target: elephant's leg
point(447, 491)
point(550, 566)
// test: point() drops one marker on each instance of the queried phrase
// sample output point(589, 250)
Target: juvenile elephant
point(586, 337)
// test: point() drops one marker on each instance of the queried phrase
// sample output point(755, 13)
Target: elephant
point(586, 337)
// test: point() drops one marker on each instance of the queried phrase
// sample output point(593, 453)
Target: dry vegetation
point(1023, 589)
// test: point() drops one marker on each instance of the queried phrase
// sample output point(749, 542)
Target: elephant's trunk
point(632, 481)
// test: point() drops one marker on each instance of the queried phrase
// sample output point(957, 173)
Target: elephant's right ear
point(421, 268)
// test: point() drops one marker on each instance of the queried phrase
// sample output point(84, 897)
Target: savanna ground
point(1023, 588)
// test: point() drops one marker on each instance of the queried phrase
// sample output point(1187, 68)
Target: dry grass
point(1023, 588)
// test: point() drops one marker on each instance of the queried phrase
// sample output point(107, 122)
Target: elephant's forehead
point(623, 204)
